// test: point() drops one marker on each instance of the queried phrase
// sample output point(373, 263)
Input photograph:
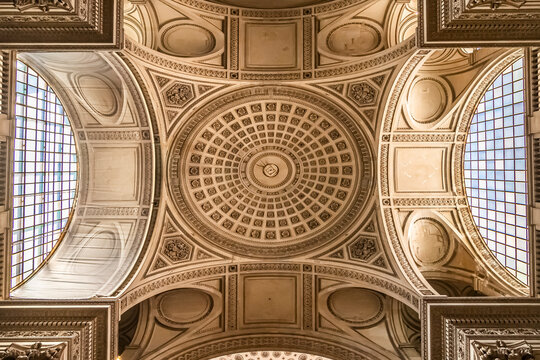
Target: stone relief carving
point(179, 94)
point(429, 241)
point(501, 351)
point(33, 352)
point(494, 4)
point(177, 249)
point(43, 5)
point(362, 93)
point(363, 248)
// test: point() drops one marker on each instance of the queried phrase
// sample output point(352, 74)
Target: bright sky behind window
point(495, 170)
point(45, 173)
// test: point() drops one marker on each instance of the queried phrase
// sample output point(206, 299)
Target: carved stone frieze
point(43, 5)
point(501, 351)
point(84, 329)
point(451, 327)
point(33, 352)
point(494, 4)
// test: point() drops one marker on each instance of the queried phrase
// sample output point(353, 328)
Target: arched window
point(495, 170)
point(44, 173)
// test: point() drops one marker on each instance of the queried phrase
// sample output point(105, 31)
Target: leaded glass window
point(44, 173)
point(495, 170)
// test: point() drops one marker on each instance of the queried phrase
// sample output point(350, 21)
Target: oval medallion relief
point(98, 94)
point(429, 241)
point(187, 40)
point(354, 39)
point(270, 171)
point(184, 306)
point(427, 100)
point(356, 305)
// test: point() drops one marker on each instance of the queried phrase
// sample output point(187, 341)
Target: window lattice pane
point(495, 170)
point(45, 173)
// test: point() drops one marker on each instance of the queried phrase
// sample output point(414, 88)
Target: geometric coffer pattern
point(270, 171)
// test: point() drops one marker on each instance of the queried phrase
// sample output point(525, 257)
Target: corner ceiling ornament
point(61, 24)
point(478, 23)
point(32, 352)
point(270, 171)
point(500, 351)
point(43, 5)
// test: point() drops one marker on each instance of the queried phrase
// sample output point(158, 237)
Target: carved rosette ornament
point(500, 351)
point(270, 171)
point(179, 94)
point(363, 249)
point(32, 352)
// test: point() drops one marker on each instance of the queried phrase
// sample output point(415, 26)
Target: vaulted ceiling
point(307, 177)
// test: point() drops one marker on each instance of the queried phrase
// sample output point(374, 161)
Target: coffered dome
point(270, 171)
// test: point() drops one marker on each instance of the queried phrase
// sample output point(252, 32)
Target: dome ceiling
point(271, 171)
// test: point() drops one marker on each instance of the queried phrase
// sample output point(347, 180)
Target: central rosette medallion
point(270, 171)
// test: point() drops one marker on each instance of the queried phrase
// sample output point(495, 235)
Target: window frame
point(11, 177)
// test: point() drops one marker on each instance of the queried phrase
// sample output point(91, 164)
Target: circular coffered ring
point(270, 171)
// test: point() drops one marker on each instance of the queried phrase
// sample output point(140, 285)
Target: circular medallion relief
point(187, 40)
point(354, 39)
point(270, 171)
point(184, 306)
point(356, 305)
point(429, 241)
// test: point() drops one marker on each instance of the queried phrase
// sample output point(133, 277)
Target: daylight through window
point(495, 170)
point(45, 173)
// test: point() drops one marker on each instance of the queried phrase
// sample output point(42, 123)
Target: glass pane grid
point(45, 173)
point(495, 171)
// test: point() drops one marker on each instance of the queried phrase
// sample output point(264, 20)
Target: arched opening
point(495, 170)
point(44, 174)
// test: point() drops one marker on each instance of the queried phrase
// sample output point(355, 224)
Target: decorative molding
point(165, 61)
point(88, 328)
point(451, 325)
point(500, 351)
point(494, 4)
point(33, 352)
point(43, 5)
point(375, 283)
point(255, 342)
point(61, 24)
point(478, 23)
point(307, 301)
point(162, 283)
